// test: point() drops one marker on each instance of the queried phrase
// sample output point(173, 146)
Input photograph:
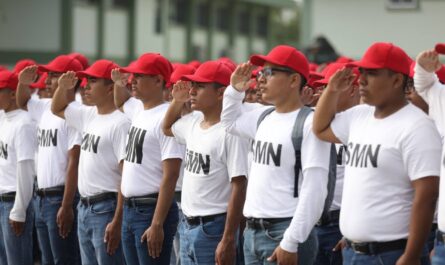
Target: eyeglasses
point(268, 72)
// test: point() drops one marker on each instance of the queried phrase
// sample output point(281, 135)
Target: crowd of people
point(272, 161)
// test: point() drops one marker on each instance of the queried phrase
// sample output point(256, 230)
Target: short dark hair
point(405, 79)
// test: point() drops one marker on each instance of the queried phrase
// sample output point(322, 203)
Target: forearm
point(71, 177)
point(165, 199)
point(171, 116)
point(325, 111)
point(117, 218)
point(309, 209)
point(25, 184)
point(121, 95)
point(23, 94)
point(422, 214)
point(235, 208)
point(60, 102)
point(232, 105)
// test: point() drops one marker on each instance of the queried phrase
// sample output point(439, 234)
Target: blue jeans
point(198, 242)
point(55, 250)
point(350, 257)
point(174, 258)
point(92, 221)
point(439, 252)
point(328, 236)
point(136, 220)
point(259, 244)
point(15, 250)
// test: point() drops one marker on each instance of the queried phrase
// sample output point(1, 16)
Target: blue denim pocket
point(276, 231)
point(214, 229)
point(145, 210)
point(54, 199)
point(103, 207)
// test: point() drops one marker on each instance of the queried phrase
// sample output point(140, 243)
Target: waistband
point(373, 248)
point(52, 191)
point(145, 200)
point(7, 197)
point(196, 220)
point(90, 200)
point(264, 223)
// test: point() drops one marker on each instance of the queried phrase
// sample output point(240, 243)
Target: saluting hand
point(341, 80)
point(242, 76)
point(429, 60)
point(181, 90)
point(28, 75)
point(119, 79)
point(68, 80)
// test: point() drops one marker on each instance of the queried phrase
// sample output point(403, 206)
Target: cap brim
point(195, 78)
point(440, 48)
point(260, 60)
point(362, 64)
point(321, 82)
point(85, 74)
point(135, 70)
point(45, 68)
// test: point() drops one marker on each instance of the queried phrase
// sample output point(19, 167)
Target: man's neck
point(106, 108)
point(389, 108)
point(211, 117)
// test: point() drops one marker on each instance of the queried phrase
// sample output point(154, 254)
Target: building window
point(179, 11)
point(243, 22)
point(262, 25)
point(402, 4)
point(222, 18)
point(158, 18)
point(202, 14)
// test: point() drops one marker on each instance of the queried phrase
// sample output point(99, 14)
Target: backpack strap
point(332, 177)
point(297, 140)
point(263, 115)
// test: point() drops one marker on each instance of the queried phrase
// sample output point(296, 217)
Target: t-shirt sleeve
point(132, 107)
point(170, 148)
point(36, 107)
point(236, 155)
point(421, 149)
point(75, 115)
point(182, 127)
point(25, 142)
point(74, 137)
point(119, 138)
point(314, 152)
point(341, 124)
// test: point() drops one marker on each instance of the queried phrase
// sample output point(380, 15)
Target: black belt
point(87, 201)
point(264, 223)
point(196, 220)
point(433, 227)
point(374, 248)
point(329, 217)
point(7, 197)
point(146, 200)
point(53, 191)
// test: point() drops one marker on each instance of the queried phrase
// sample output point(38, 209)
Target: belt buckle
point(358, 247)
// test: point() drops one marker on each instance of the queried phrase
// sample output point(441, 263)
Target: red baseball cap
point(40, 84)
point(8, 80)
point(385, 55)
point(180, 71)
point(209, 72)
point(83, 60)
point(331, 70)
point(194, 63)
point(313, 77)
point(229, 62)
point(62, 64)
point(22, 64)
point(3, 68)
point(344, 59)
point(440, 48)
point(99, 69)
point(151, 64)
point(441, 74)
point(286, 56)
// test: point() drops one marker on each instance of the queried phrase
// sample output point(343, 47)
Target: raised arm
point(63, 95)
point(121, 93)
point(180, 94)
point(327, 105)
point(26, 77)
point(427, 63)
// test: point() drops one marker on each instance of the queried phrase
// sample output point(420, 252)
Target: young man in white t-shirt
point(279, 222)
point(392, 161)
point(104, 130)
point(57, 164)
point(17, 172)
point(152, 163)
point(432, 91)
point(328, 229)
point(214, 184)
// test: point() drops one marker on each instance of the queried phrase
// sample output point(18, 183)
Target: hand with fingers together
point(283, 257)
point(242, 76)
point(112, 236)
point(341, 80)
point(17, 227)
point(65, 220)
point(154, 236)
point(429, 60)
point(68, 80)
point(28, 75)
point(119, 79)
point(180, 92)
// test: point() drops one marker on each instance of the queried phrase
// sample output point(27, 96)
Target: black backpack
point(297, 139)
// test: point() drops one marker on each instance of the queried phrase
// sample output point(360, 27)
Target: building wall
point(352, 25)
point(85, 29)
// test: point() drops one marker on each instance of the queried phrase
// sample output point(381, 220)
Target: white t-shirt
point(17, 143)
point(54, 138)
point(338, 191)
point(102, 148)
point(270, 191)
point(213, 157)
point(380, 167)
point(147, 147)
